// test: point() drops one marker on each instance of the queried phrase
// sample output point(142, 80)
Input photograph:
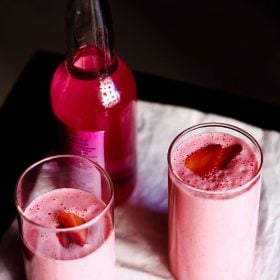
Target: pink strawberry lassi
point(45, 255)
point(213, 203)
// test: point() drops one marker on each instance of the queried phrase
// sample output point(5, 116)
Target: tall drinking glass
point(214, 173)
point(65, 217)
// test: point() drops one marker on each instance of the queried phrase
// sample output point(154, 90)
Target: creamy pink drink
point(47, 258)
point(214, 190)
point(66, 219)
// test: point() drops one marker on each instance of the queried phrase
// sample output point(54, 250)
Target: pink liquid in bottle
point(94, 99)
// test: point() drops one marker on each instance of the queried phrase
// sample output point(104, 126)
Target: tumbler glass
point(214, 179)
point(65, 217)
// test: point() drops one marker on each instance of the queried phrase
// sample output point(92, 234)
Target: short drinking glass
point(65, 217)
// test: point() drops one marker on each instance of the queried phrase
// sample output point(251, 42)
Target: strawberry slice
point(229, 153)
point(64, 239)
point(205, 160)
point(66, 220)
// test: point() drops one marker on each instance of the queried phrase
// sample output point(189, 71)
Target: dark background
point(232, 46)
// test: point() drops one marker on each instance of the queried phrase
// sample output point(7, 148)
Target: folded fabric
point(141, 224)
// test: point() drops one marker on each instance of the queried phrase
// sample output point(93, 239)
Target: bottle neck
point(90, 37)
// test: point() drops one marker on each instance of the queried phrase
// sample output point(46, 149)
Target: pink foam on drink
point(47, 258)
point(213, 221)
point(238, 171)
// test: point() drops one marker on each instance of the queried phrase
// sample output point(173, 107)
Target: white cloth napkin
point(141, 224)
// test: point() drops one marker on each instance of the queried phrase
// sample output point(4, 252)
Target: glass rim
point(233, 191)
point(87, 224)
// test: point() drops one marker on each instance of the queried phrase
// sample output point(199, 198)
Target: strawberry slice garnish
point(66, 220)
point(64, 239)
point(228, 153)
point(208, 159)
point(205, 160)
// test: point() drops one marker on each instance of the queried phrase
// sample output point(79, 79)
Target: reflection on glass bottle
point(93, 95)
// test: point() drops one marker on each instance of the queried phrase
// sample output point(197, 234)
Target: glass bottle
point(93, 96)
